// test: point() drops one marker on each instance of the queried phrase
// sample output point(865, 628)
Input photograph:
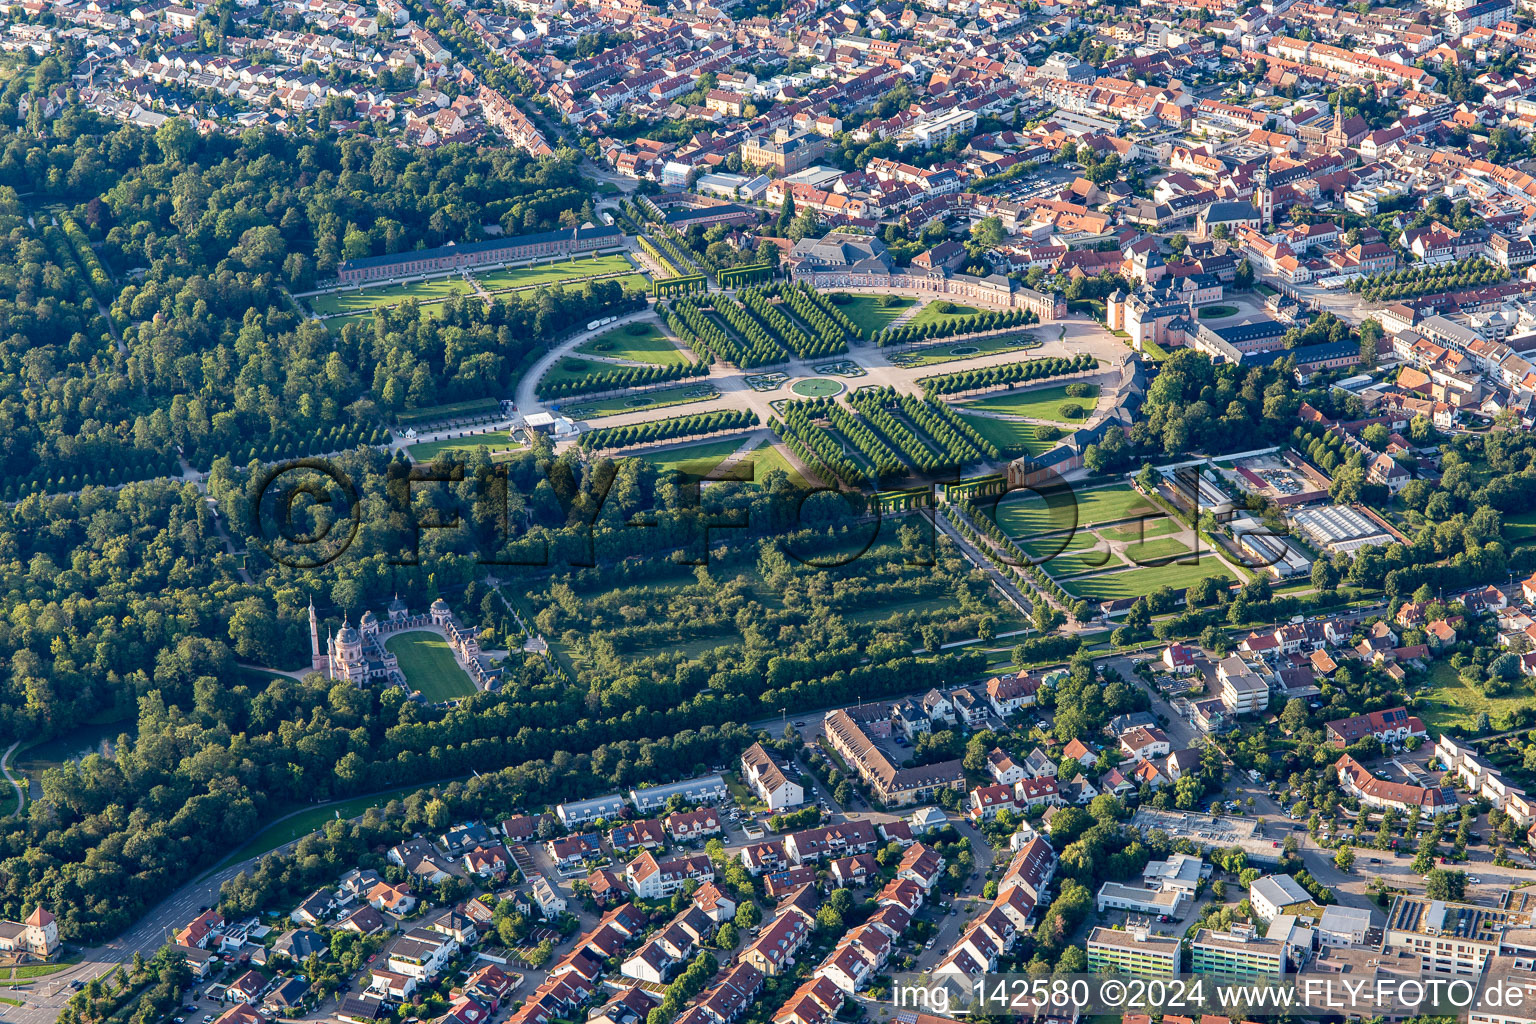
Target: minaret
point(316, 662)
point(330, 661)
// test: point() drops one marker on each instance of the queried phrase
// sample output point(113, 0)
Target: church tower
point(1337, 138)
point(1263, 197)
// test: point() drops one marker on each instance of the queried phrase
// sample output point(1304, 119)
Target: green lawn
point(817, 387)
point(1448, 703)
point(1520, 527)
point(869, 315)
point(695, 458)
point(1028, 515)
point(930, 314)
point(948, 352)
point(429, 666)
point(632, 282)
point(1143, 529)
point(1135, 582)
point(1079, 555)
point(300, 825)
point(448, 411)
point(1050, 403)
point(703, 457)
point(500, 442)
point(553, 273)
point(641, 342)
point(1216, 312)
point(768, 457)
point(634, 403)
point(1012, 436)
point(1154, 551)
point(572, 369)
point(361, 300)
point(29, 972)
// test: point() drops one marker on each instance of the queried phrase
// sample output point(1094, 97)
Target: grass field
point(695, 458)
point(640, 342)
point(703, 457)
point(448, 411)
point(768, 457)
point(634, 403)
point(429, 666)
point(870, 316)
point(498, 441)
point(1520, 527)
point(1079, 555)
point(1155, 551)
point(550, 273)
point(1135, 582)
point(1449, 703)
point(816, 387)
point(948, 352)
point(1143, 529)
point(572, 369)
point(1032, 516)
point(930, 314)
point(302, 824)
point(364, 299)
point(632, 282)
point(1216, 312)
point(29, 972)
point(1012, 436)
point(1041, 404)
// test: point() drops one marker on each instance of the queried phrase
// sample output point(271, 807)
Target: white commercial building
point(1139, 899)
point(1272, 894)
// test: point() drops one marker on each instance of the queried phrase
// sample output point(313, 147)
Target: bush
point(944, 306)
point(1079, 389)
point(1072, 411)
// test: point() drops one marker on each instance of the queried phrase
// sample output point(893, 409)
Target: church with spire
point(1346, 133)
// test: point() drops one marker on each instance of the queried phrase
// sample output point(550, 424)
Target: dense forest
point(129, 608)
point(145, 305)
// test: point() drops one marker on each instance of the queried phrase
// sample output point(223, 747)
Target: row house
point(986, 802)
point(691, 826)
point(773, 951)
point(669, 948)
point(1483, 779)
point(838, 840)
point(1391, 727)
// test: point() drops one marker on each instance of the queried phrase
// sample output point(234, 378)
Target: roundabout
point(816, 387)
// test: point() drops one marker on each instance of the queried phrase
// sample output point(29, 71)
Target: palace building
point(357, 655)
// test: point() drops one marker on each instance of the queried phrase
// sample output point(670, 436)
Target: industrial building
point(1339, 528)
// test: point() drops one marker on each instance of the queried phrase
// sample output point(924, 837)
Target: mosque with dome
point(357, 655)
